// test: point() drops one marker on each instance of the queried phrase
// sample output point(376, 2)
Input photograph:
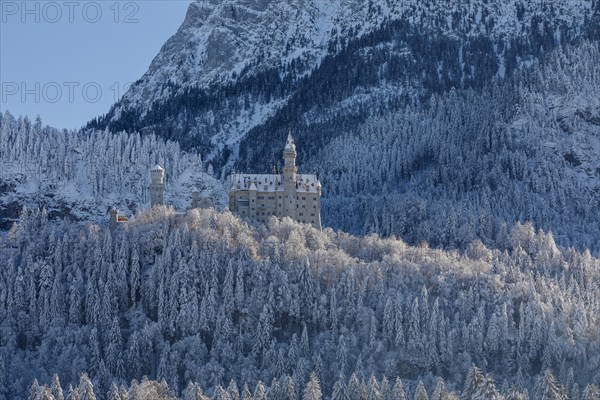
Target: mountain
point(232, 65)
point(239, 74)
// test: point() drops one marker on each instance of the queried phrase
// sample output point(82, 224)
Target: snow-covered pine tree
point(548, 388)
point(312, 391)
point(86, 388)
point(421, 392)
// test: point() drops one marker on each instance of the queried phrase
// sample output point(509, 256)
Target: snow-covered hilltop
point(80, 175)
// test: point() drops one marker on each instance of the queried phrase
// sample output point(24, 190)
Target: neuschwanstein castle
point(256, 197)
point(290, 194)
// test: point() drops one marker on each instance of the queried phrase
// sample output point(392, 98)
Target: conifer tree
point(35, 390)
point(56, 389)
point(440, 392)
point(373, 392)
point(260, 392)
point(86, 389)
point(420, 392)
point(232, 390)
point(246, 394)
point(114, 351)
point(73, 393)
point(591, 392)
point(339, 389)
point(289, 391)
point(313, 388)
point(114, 393)
point(548, 388)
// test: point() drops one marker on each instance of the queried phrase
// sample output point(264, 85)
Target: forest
point(458, 153)
point(205, 304)
point(81, 174)
point(470, 163)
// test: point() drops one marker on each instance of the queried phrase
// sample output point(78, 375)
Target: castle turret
point(195, 198)
point(289, 177)
point(289, 158)
point(157, 187)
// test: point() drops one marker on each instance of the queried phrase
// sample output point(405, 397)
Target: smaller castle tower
point(195, 198)
point(157, 187)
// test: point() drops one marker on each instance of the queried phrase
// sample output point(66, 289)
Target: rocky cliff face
point(221, 41)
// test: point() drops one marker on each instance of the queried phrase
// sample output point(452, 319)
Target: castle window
point(303, 198)
point(253, 200)
point(314, 206)
point(279, 197)
point(301, 214)
point(312, 222)
point(312, 214)
point(303, 206)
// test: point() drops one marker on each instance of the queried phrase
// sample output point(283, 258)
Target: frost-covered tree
point(548, 387)
point(312, 391)
point(86, 388)
point(420, 392)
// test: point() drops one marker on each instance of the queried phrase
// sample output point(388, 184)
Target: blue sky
point(69, 61)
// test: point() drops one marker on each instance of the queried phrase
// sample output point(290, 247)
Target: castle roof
point(289, 144)
point(305, 183)
point(157, 168)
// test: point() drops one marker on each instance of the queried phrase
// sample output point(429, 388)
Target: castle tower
point(289, 159)
point(195, 198)
point(157, 187)
point(289, 177)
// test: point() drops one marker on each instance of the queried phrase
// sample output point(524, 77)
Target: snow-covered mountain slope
point(257, 52)
point(81, 175)
point(336, 75)
point(468, 164)
point(222, 41)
